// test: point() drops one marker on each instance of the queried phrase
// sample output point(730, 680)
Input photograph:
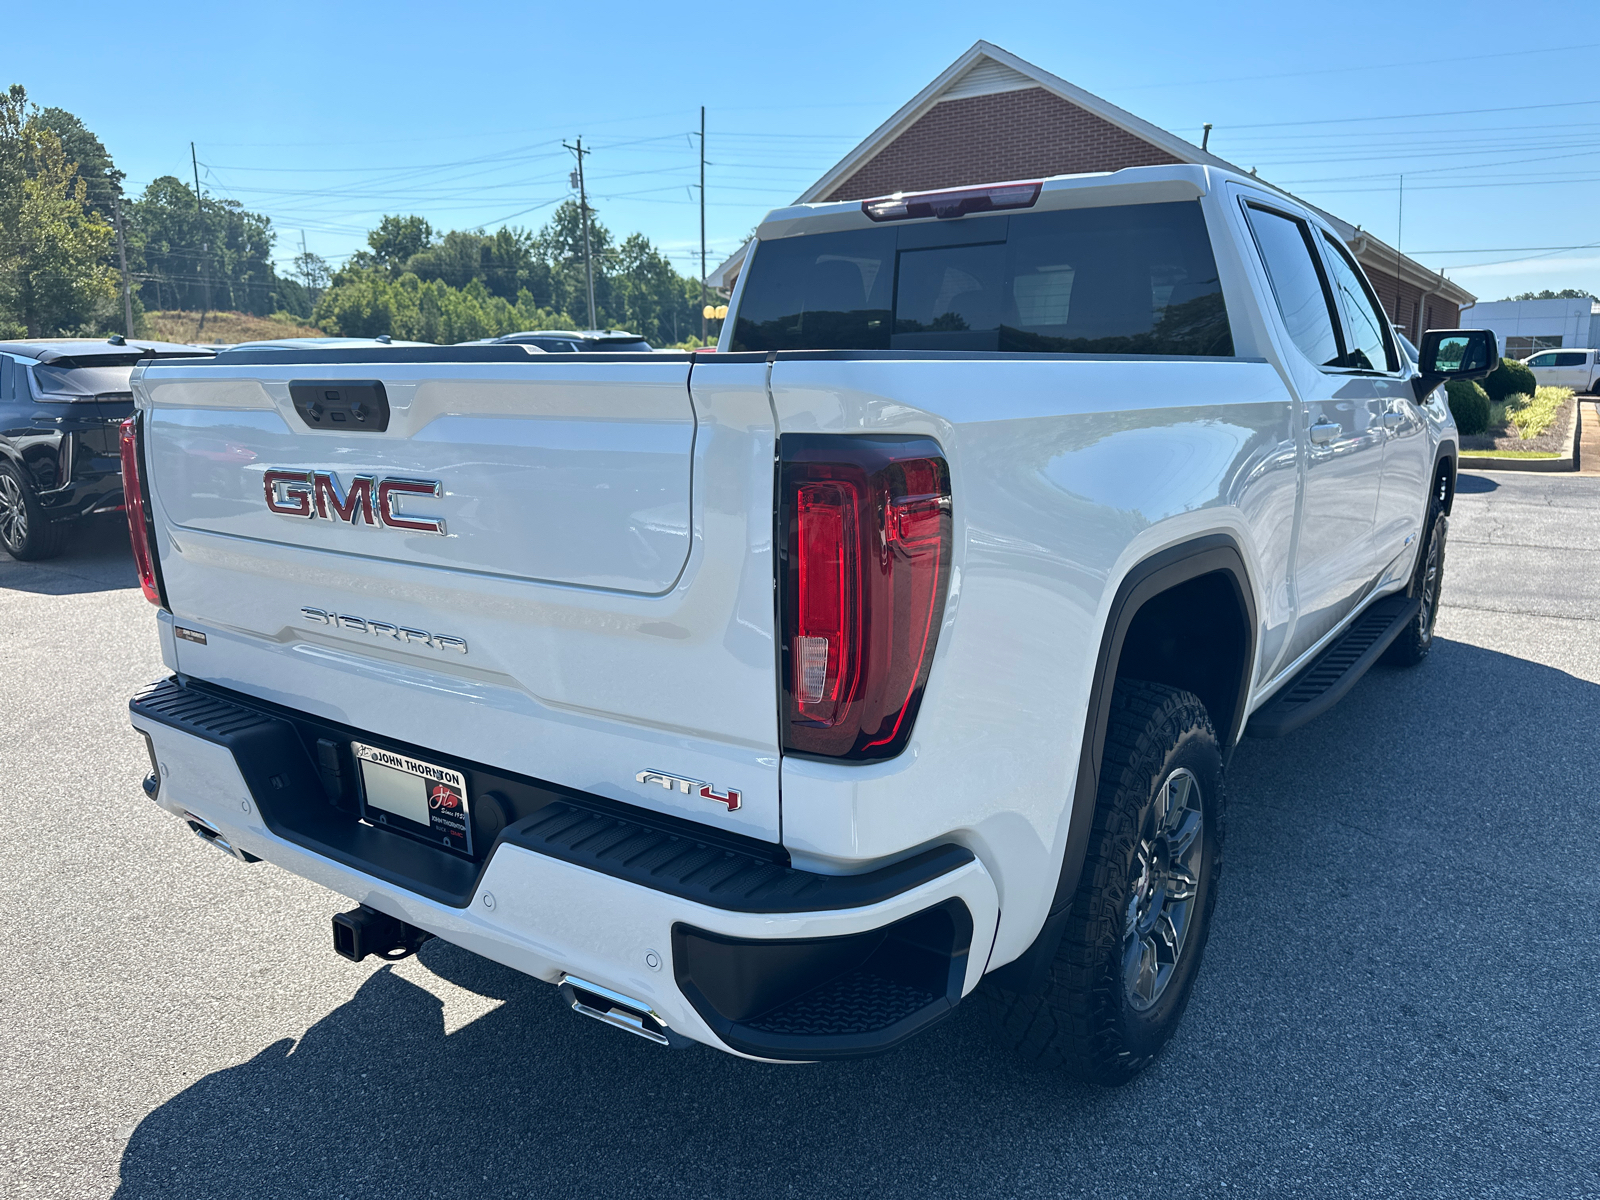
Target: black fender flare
point(1217, 553)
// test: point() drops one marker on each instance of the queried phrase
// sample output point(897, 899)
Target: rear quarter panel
point(1064, 475)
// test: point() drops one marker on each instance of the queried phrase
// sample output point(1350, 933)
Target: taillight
point(865, 522)
point(133, 495)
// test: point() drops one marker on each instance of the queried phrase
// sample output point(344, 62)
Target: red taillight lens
point(133, 500)
point(866, 560)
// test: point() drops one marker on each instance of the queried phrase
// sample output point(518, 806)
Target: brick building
point(992, 116)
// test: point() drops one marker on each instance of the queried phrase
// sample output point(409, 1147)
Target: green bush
point(1469, 404)
point(1509, 379)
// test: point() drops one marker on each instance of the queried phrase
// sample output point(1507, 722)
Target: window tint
point(825, 291)
point(1542, 360)
point(1366, 347)
point(1296, 284)
point(1137, 279)
point(83, 381)
point(5, 377)
point(1569, 360)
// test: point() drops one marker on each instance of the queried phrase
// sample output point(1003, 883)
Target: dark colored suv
point(62, 402)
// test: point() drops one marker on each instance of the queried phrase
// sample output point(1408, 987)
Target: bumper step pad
point(666, 854)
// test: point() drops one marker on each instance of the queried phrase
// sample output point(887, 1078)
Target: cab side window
point(1542, 360)
point(1569, 359)
point(1297, 284)
point(1367, 344)
point(5, 377)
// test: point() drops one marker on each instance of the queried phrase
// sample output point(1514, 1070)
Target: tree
point(393, 244)
point(561, 244)
point(469, 284)
point(94, 164)
point(53, 247)
point(186, 249)
point(1547, 294)
point(311, 270)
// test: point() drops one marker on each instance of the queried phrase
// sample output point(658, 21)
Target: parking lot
point(1399, 997)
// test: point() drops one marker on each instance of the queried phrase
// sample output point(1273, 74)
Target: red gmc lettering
point(288, 492)
point(345, 508)
point(369, 500)
point(389, 489)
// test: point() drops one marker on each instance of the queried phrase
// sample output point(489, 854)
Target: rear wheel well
point(1195, 636)
point(1184, 617)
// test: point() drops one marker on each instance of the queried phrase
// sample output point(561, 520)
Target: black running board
point(1336, 670)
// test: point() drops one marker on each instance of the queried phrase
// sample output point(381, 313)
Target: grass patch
point(174, 326)
point(1531, 415)
point(1510, 454)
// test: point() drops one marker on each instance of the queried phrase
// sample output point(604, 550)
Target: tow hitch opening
point(363, 931)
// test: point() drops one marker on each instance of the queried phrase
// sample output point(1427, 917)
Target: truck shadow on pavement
point(1391, 1003)
point(95, 558)
point(532, 1100)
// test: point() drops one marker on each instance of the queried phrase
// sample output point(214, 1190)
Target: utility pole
point(583, 205)
point(122, 254)
point(1399, 234)
point(702, 223)
point(205, 248)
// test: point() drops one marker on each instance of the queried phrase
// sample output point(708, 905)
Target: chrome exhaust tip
point(615, 1009)
point(211, 835)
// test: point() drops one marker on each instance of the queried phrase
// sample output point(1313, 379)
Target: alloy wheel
point(13, 511)
point(1163, 889)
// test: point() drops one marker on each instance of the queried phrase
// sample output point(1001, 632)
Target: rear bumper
point(734, 950)
point(85, 497)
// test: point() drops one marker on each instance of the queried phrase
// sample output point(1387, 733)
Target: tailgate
point(559, 567)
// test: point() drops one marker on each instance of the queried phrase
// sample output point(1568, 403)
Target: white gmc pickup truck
point(779, 698)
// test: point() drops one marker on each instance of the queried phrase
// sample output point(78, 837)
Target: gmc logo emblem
point(369, 500)
point(686, 786)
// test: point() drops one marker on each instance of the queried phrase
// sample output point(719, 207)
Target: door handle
point(1323, 432)
point(1392, 419)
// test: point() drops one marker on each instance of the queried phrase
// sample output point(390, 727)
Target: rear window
point(82, 381)
point(1136, 279)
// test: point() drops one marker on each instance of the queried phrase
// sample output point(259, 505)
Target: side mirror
point(1447, 354)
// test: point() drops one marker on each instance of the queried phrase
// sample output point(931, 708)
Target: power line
point(1457, 112)
point(1406, 65)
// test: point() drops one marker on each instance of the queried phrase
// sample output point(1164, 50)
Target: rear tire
point(1138, 924)
point(1416, 639)
point(26, 532)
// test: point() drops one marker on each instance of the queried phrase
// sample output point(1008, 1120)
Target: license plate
point(420, 798)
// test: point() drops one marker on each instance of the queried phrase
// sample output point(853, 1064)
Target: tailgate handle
point(345, 405)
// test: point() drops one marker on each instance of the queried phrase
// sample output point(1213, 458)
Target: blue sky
point(327, 116)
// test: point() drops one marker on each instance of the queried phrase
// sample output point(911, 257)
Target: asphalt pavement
point(1399, 997)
